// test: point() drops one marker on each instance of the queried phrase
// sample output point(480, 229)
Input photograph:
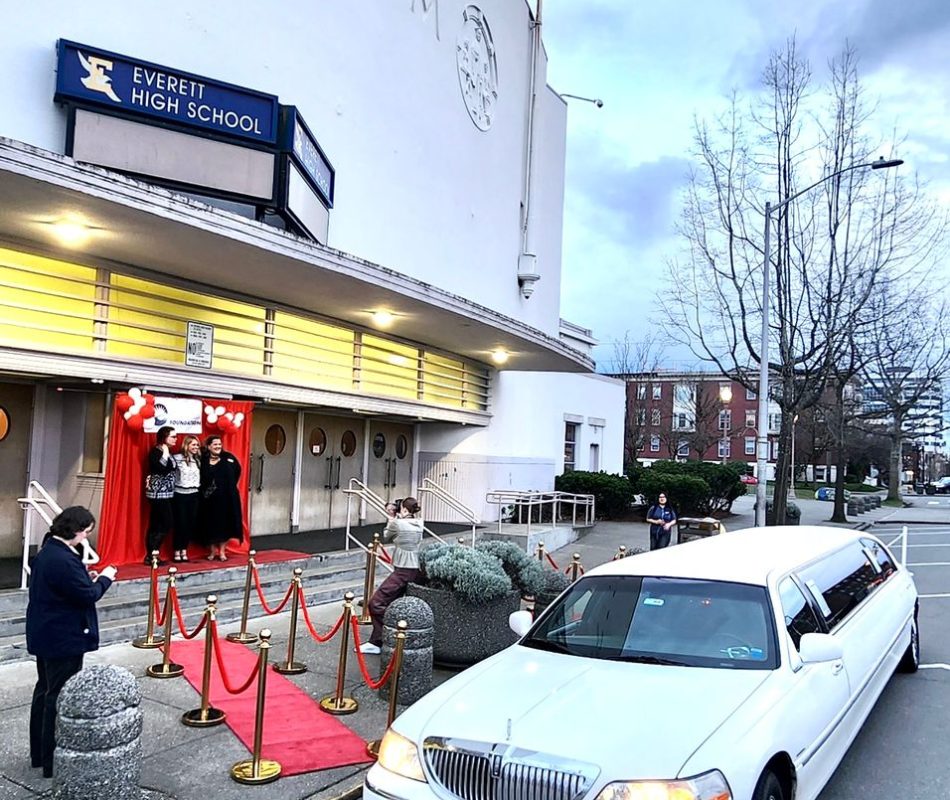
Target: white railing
point(39, 500)
point(528, 501)
point(435, 490)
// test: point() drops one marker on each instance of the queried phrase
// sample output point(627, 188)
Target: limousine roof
point(744, 556)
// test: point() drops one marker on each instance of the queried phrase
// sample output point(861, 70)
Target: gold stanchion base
point(144, 643)
point(372, 748)
point(347, 705)
point(366, 619)
point(242, 638)
point(267, 771)
point(201, 718)
point(159, 671)
point(290, 668)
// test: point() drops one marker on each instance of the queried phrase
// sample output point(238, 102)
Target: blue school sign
point(90, 76)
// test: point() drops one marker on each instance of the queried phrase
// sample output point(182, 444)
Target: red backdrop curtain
point(124, 515)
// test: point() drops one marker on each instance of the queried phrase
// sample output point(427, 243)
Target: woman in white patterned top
point(185, 502)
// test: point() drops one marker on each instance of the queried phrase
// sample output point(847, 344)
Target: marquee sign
point(296, 139)
point(124, 85)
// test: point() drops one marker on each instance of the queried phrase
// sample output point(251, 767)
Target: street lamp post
point(762, 439)
point(595, 100)
point(791, 485)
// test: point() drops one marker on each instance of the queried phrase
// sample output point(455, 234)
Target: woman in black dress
point(219, 513)
point(159, 490)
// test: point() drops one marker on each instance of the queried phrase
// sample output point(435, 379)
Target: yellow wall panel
point(312, 352)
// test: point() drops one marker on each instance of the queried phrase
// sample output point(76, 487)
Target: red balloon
point(224, 425)
point(123, 402)
point(149, 399)
point(147, 411)
point(136, 422)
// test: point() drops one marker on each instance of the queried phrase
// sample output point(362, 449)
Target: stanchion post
point(621, 553)
point(243, 637)
point(291, 667)
point(369, 581)
point(167, 669)
point(258, 770)
point(149, 642)
point(206, 716)
point(337, 704)
point(541, 552)
point(575, 566)
point(373, 747)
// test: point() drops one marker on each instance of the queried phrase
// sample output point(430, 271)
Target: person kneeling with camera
point(406, 530)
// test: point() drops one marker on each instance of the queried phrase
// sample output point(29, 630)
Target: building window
point(657, 391)
point(654, 444)
point(821, 473)
point(725, 448)
point(641, 391)
point(641, 416)
point(682, 449)
point(750, 395)
point(595, 458)
point(750, 419)
point(725, 419)
point(750, 445)
point(640, 443)
point(682, 421)
point(94, 434)
point(655, 417)
point(570, 446)
point(775, 423)
point(773, 450)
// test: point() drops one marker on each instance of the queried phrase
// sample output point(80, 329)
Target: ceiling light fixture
point(499, 356)
point(383, 319)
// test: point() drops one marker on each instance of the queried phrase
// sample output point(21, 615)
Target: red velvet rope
point(552, 562)
point(306, 618)
point(160, 610)
point(385, 555)
point(570, 568)
point(260, 595)
point(181, 622)
point(359, 657)
point(223, 670)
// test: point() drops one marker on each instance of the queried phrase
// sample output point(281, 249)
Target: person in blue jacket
point(61, 622)
point(661, 518)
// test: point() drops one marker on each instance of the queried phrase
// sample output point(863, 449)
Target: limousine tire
point(769, 787)
point(910, 661)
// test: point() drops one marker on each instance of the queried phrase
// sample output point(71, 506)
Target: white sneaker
point(368, 648)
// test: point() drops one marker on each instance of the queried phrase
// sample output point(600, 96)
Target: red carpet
point(128, 572)
point(297, 732)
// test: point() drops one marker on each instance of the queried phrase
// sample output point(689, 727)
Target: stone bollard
point(416, 677)
point(98, 736)
point(852, 508)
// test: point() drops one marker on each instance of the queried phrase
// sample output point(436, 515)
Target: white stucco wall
point(419, 188)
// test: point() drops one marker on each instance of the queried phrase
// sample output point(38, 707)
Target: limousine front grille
point(483, 771)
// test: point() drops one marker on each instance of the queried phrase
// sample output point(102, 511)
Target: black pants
point(659, 539)
point(52, 673)
point(394, 586)
point(160, 522)
point(185, 508)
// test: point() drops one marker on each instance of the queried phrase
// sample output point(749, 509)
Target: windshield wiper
point(666, 662)
point(547, 644)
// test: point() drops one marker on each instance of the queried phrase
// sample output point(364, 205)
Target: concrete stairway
point(123, 610)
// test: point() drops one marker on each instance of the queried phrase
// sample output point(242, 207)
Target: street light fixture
point(595, 100)
point(762, 435)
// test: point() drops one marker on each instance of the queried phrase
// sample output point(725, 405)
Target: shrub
point(722, 479)
point(793, 514)
point(685, 493)
point(525, 573)
point(612, 493)
point(475, 576)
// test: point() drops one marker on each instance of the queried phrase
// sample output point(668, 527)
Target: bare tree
point(635, 362)
point(831, 248)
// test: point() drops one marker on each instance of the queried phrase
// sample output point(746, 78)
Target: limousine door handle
point(837, 667)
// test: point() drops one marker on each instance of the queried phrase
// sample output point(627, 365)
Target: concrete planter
point(464, 633)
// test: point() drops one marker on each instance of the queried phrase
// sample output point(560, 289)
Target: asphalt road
point(902, 751)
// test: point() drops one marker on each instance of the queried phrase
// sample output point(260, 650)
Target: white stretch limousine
point(735, 667)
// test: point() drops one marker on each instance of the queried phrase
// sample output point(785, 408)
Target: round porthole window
point(275, 440)
point(348, 443)
point(4, 423)
point(402, 446)
point(379, 445)
point(318, 441)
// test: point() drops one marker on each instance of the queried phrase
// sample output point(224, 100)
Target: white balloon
point(209, 410)
point(219, 410)
point(229, 415)
point(138, 405)
point(212, 418)
point(238, 417)
point(128, 413)
point(237, 423)
point(135, 393)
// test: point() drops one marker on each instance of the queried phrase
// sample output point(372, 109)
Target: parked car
point(939, 486)
point(734, 667)
point(749, 479)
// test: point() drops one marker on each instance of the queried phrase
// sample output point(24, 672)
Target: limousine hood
point(585, 709)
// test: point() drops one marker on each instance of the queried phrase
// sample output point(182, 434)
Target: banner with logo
point(183, 414)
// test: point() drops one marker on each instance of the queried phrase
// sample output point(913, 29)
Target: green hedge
point(710, 487)
point(613, 493)
point(685, 493)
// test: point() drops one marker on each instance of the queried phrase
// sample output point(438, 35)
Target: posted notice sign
point(199, 345)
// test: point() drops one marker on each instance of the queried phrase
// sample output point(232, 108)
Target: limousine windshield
point(668, 621)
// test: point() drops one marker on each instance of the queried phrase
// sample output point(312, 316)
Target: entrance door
point(390, 460)
point(273, 442)
point(16, 415)
point(333, 453)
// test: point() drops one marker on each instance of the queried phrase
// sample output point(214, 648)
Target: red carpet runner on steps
point(297, 733)
point(128, 572)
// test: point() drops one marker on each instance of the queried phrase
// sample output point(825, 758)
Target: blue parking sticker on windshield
point(757, 653)
point(653, 601)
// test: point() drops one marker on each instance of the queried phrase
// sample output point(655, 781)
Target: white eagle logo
point(97, 80)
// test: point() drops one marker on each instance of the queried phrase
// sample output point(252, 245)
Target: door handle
point(339, 467)
point(329, 481)
point(260, 474)
point(837, 667)
point(393, 479)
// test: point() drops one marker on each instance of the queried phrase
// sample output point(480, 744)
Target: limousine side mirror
point(817, 647)
point(520, 622)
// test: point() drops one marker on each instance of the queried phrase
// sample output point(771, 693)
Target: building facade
point(351, 218)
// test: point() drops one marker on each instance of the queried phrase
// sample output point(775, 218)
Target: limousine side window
point(879, 555)
point(841, 581)
point(800, 617)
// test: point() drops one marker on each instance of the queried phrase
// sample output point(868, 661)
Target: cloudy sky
point(657, 66)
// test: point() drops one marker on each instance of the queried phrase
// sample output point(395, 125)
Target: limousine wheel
point(911, 659)
point(769, 787)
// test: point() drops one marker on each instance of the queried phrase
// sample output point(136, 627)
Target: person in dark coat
point(61, 622)
point(662, 518)
point(219, 510)
point(159, 490)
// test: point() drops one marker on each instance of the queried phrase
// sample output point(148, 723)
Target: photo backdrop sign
point(183, 414)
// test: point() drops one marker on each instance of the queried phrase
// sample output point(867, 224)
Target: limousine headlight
point(708, 786)
point(398, 754)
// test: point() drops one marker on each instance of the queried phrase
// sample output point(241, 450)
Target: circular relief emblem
point(478, 72)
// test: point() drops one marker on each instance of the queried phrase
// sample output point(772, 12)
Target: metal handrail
point(531, 499)
point(439, 492)
point(357, 488)
point(44, 505)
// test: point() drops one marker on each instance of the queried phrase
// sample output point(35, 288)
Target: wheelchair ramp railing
point(433, 489)
point(39, 502)
point(525, 507)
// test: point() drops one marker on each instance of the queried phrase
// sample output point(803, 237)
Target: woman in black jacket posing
point(219, 509)
point(159, 490)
